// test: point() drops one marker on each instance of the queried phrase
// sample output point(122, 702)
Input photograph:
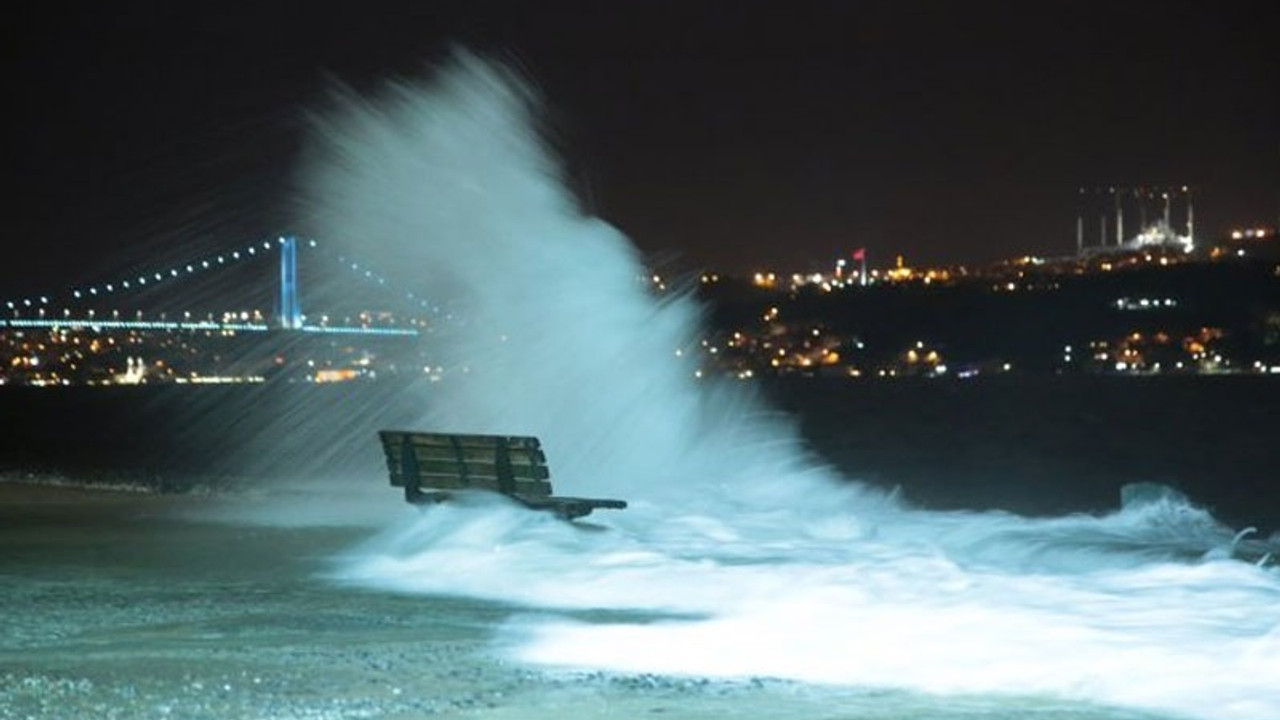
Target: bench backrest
point(509, 465)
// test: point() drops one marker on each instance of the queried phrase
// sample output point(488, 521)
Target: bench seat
point(432, 466)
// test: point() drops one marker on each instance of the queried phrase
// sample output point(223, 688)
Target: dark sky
point(725, 135)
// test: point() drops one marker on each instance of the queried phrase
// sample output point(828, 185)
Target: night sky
point(725, 135)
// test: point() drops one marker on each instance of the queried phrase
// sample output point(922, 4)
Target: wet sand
point(115, 606)
point(117, 609)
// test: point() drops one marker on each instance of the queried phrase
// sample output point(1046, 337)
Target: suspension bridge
point(74, 308)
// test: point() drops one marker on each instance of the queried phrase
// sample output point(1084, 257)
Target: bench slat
point(518, 456)
point(513, 442)
point(446, 481)
point(489, 468)
point(571, 507)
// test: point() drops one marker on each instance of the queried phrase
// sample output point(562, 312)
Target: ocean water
point(756, 573)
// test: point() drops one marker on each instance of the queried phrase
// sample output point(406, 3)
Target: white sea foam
point(744, 556)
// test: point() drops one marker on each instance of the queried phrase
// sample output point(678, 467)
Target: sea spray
point(548, 325)
point(744, 556)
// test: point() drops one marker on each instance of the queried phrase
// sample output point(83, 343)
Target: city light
point(784, 339)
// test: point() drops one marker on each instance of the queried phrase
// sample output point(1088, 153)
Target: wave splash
point(744, 556)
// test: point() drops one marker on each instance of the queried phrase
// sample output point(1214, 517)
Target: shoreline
point(56, 489)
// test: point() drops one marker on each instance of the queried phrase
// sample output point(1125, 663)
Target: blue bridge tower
point(290, 309)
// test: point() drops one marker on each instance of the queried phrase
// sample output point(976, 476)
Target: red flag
point(860, 254)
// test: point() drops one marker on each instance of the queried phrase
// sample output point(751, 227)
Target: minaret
point(1080, 205)
point(1191, 221)
point(1119, 220)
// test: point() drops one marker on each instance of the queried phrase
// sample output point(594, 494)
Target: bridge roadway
point(97, 325)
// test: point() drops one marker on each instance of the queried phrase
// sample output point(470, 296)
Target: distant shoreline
point(54, 490)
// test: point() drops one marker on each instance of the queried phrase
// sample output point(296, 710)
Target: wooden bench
point(432, 466)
